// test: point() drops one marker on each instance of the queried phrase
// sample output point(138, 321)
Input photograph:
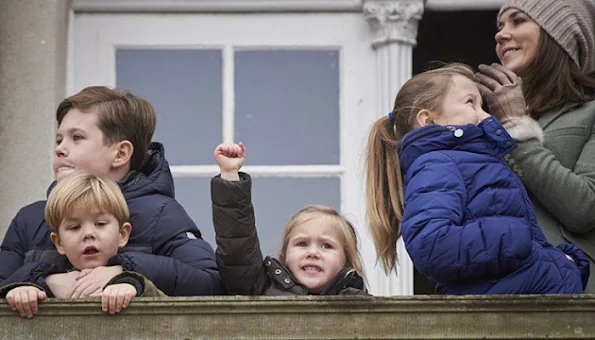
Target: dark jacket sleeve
point(144, 287)
point(564, 180)
point(182, 263)
point(31, 274)
point(238, 250)
point(14, 246)
point(442, 245)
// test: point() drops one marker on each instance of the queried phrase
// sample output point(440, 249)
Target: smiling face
point(462, 104)
point(80, 147)
point(90, 239)
point(314, 253)
point(517, 40)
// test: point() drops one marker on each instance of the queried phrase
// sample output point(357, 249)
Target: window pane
point(274, 199)
point(194, 194)
point(287, 106)
point(184, 86)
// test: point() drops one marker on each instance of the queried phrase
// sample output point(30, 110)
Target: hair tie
point(391, 117)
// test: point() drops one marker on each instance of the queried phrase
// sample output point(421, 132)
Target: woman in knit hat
point(544, 94)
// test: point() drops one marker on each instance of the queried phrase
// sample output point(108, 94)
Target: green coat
point(560, 177)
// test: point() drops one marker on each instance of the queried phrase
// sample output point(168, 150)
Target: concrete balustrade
point(336, 317)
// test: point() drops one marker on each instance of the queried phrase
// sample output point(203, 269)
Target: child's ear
point(57, 242)
point(124, 150)
point(125, 231)
point(424, 118)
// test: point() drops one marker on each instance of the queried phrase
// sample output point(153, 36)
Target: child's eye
point(470, 101)
point(74, 227)
point(327, 246)
point(302, 244)
point(100, 223)
point(77, 137)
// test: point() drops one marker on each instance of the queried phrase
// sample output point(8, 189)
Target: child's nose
point(312, 252)
point(481, 115)
point(60, 149)
point(89, 233)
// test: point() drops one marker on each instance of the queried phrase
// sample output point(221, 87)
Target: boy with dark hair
point(107, 133)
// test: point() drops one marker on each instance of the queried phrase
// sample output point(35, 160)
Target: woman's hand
point(502, 91)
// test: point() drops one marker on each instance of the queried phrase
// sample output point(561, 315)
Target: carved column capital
point(393, 21)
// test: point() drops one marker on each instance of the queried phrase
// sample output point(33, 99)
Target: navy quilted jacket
point(165, 244)
point(468, 223)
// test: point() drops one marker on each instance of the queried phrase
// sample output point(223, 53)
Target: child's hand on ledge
point(23, 300)
point(116, 297)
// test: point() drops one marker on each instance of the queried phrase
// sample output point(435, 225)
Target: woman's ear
point(124, 150)
point(125, 231)
point(57, 243)
point(424, 118)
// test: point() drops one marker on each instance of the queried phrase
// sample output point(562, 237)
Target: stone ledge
point(335, 317)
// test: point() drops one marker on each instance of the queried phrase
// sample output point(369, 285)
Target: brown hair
point(552, 80)
point(345, 231)
point(425, 91)
point(121, 116)
point(81, 192)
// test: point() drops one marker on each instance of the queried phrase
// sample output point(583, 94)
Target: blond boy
point(88, 218)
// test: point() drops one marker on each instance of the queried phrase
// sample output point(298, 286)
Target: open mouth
point(90, 250)
point(311, 269)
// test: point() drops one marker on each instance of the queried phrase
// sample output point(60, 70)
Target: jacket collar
point(487, 138)
point(280, 274)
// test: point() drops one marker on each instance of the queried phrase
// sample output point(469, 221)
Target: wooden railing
point(335, 317)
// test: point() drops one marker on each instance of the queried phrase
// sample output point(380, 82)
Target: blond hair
point(345, 231)
point(384, 192)
point(81, 192)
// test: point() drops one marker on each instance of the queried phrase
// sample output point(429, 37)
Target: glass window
point(287, 106)
point(185, 88)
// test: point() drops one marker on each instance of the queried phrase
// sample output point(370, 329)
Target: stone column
point(394, 27)
point(33, 43)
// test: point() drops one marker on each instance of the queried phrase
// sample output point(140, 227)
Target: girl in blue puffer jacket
point(436, 174)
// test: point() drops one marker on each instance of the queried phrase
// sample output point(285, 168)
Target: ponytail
point(425, 91)
point(384, 192)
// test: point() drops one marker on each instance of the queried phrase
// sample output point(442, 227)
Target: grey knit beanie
point(570, 23)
